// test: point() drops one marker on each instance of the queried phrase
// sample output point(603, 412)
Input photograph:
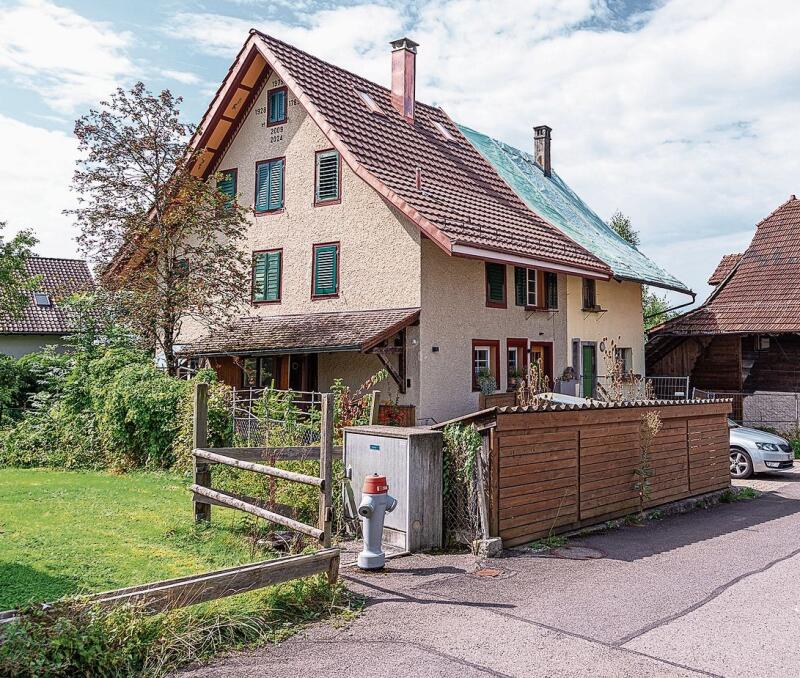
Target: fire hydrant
point(375, 503)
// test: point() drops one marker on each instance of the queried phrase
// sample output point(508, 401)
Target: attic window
point(369, 102)
point(443, 131)
point(42, 299)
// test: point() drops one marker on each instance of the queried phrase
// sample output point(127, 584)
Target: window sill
point(256, 302)
point(593, 309)
point(325, 203)
point(320, 297)
point(277, 122)
point(496, 304)
point(262, 213)
point(540, 309)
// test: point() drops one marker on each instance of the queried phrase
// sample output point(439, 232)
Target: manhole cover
point(577, 553)
point(488, 572)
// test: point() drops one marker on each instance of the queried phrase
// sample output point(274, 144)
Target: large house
point(44, 320)
point(384, 235)
point(743, 340)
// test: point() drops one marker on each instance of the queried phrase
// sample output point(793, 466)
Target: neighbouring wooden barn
point(743, 340)
point(556, 467)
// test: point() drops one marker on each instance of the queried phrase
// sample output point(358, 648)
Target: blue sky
point(680, 113)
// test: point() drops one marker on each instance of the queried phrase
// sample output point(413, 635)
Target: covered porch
point(307, 352)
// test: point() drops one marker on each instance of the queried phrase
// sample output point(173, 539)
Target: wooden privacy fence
point(555, 468)
point(251, 458)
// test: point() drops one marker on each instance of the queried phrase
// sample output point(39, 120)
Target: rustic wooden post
point(374, 407)
point(326, 469)
point(202, 470)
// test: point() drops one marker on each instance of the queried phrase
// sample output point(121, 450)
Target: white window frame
point(475, 359)
point(531, 278)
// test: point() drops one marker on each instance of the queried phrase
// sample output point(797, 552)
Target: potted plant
point(486, 381)
point(514, 377)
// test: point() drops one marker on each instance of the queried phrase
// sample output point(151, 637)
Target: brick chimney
point(404, 66)
point(541, 147)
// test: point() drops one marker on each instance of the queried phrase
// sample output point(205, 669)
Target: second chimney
point(404, 66)
point(541, 148)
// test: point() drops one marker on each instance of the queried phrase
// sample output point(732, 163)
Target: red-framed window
point(495, 285)
point(327, 177)
point(267, 276)
point(485, 356)
point(269, 185)
point(276, 106)
point(325, 270)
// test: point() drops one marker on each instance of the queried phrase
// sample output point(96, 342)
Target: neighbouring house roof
point(60, 279)
point(304, 333)
point(556, 202)
point(724, 267)
point(762, 294)
point(461, 204)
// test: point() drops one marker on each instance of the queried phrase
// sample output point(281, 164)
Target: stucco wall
point(18, 345)
point(621, 321)
point(454, 313)
point(379, 248)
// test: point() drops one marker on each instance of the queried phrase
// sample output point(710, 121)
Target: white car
point(754, 451)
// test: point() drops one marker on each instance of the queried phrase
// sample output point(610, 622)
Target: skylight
point(369, 102)
point(42, 299)
point(443, 131)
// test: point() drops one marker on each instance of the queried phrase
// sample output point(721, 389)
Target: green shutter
point(277, 105)
point(496, 283)
point(227, 185)
point(551, 290)
point(326, 272)
point(269, 185)
point(276, 185)
point(327, 176)
point(520, 283)
point(267, 276)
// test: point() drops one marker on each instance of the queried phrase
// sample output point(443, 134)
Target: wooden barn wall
point(719, 366)
point(228, 372)
point(557, 471)
point(776, 368)
point(678, 362)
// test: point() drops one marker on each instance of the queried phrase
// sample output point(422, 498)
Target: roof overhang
point(504, 257)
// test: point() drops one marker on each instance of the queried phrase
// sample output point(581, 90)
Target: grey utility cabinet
point(411, 460)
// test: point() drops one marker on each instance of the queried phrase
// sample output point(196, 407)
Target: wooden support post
point(374, 407)
point(326, 469)
point(202, 470)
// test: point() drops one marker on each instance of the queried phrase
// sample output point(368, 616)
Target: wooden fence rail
point(200, 588)
point(204, 495)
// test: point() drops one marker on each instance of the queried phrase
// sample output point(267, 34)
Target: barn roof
point(762, 294)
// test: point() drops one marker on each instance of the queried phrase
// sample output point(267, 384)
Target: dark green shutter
point(269, 185)
point(277, 105)
point(276, 185)
point(267, 276)
point(551, 290)
point(325, 270)
point(520, 283)
point(227, 185)
point(496, 283)
point(327, 176)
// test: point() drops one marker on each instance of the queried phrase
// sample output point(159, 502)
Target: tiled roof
point(461, 194)
point(60, 279)
point(763, 294)
point(308, 332)
point(724, 267)
point(554, 200)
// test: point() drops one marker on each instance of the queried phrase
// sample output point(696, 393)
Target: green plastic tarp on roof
point(553, 200)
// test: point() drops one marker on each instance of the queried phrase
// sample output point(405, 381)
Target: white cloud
point(62, 56)
point(182, 76)
point(34, 184)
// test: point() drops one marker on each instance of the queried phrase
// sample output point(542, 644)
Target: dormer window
point(42, 299)
point(443, 131)
point(370, 102)
point(276, 106)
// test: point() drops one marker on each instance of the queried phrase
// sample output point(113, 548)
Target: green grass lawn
point(63, 533)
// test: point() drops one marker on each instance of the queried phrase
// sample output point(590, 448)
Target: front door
point(589, 375)
point(542, 354)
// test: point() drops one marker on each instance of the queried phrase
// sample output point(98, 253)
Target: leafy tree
point(654, 308)
point(169, 241)
point(15, 283)
point(624, 228)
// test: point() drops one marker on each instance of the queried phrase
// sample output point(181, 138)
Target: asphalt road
point(714, 592)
